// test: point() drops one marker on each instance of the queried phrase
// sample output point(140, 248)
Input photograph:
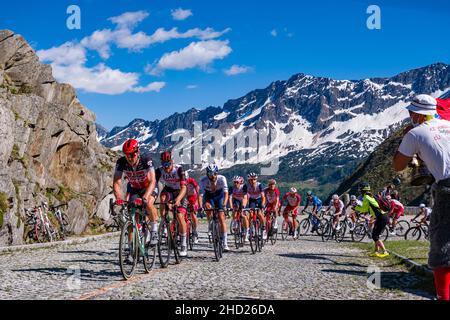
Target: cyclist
point(255, 199)
point(426, 214)
point(293, 199)
point(214, 189)
point(173, 178)
point(370, 205)
point(272, 195)
point(397, 210)
point(140, 173)
point(338, 206)
point(317, 205)
point(236, 198)
point(353, 214)
point(193, 191)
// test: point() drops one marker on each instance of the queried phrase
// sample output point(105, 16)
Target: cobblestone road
point(303, 269)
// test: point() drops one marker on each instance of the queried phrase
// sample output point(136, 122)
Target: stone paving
point(303, 269)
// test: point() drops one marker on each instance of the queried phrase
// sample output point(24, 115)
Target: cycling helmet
point(364, 186)
point(335, 197)
point(293, 190)
point(212, 169)
point(272, 182)
point(252, 175)
point(309, 193)
point(388, 198)
point(238, 179)
point(352, 198)
point(130, 146)
point(422, 205)
point(166, 156)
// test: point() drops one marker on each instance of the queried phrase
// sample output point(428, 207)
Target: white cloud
point(192, 86)
point(154, 86)
point(235, 70)
point(68, 53)
point(129, 20)
point(274, 32)
point(181, 14)
point(197, 54)
point(68, 64)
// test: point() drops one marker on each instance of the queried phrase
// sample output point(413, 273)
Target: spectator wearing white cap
point(429, 138)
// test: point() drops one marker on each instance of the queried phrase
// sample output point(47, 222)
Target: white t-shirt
point(431, 141)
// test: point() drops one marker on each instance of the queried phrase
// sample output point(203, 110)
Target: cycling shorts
point(255, 203)
point(288, 209)
point(215, 200)
point(171, 195)
point(270, 207)
point(379, 226)
point(398, 213)
point(237, 203)
point(192, 201)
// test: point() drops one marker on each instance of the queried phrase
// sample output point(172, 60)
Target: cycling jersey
point(214, 193)
point(172, 180)
point(338, 206)
point(192, 186)
point(293, 200)
point(314, 201)
point(136, 176)
point(271, 195)
point(253, 192)
point(237, 193)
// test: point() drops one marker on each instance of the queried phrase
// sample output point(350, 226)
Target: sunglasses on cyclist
point(131, 155)
point(166, 164)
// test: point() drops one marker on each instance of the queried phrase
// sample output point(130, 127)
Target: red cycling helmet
point(130, 146)
point(166, 156)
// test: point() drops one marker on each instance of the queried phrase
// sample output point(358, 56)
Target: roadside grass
point(416, 251)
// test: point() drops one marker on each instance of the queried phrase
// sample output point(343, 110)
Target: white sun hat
point(423, 104)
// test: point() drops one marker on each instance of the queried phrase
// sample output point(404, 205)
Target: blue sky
point(136, 65)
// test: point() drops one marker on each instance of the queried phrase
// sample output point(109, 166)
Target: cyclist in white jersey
point(338, 206)
point(214, 190)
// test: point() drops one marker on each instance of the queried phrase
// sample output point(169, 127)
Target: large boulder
point(49, 149)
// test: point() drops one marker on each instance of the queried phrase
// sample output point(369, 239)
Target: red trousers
point(442, 282)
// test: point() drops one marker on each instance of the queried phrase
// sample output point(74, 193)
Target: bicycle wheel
point(127, 250)
point(175, 238)
point(359, 233)
point(216, 240)
point(274, 235)
point(164, 243)
point(298, 230)
point(401, 228)
point(327, 232)
point(413, 233)
point(238, 235)
point(284, 230)
point(253, 238)
point(321, 227)
point(260, 236)
point(304, 227)
point(150, 254)
point(339, 234)
point(232, 224)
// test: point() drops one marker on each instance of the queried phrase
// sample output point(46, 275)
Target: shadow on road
point(85, 274)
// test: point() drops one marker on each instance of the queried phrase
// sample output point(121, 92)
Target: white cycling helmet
point(252, 175)
point(352, 198)
point(422, 205)
point(293, 190)
point(212, 169)
point(335, 197)
point(388, 198)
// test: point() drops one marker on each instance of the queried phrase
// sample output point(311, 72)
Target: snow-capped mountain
point(315, 120)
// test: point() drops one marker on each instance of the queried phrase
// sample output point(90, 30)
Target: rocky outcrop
point(49, 149)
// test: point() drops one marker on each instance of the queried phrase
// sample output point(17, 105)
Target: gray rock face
point(49, 150)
